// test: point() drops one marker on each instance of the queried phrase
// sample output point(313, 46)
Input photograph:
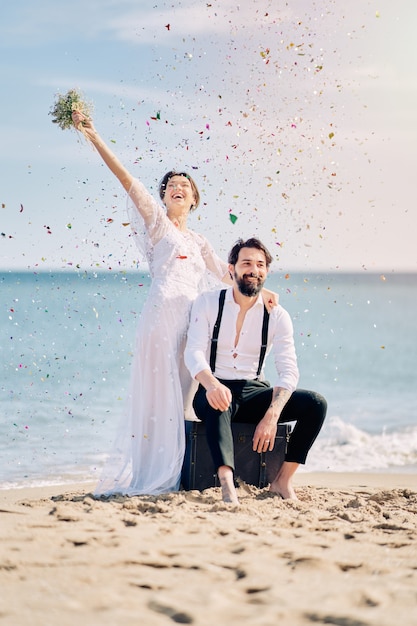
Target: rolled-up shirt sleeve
point(198, 339)
point(283, 350)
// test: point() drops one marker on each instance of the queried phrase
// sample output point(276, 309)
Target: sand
point(344, 554)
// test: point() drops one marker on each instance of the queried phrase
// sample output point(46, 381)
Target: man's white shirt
point(240, 361)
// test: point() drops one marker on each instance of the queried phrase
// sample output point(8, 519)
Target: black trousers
point(250, 401)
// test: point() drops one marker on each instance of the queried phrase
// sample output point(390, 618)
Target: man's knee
point(317, 409)
point(321, 405)
point(318, 403)
point(308, 404)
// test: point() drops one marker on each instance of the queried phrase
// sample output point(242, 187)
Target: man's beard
point(248, 287)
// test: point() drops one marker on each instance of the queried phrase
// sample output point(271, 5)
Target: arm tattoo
point(280, 397)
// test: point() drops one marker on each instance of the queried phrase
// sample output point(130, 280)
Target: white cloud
point(136, 22)
point(169, 25)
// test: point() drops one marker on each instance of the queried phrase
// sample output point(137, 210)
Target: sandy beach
point(344, 554)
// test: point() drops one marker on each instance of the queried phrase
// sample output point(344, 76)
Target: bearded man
point(229, 336)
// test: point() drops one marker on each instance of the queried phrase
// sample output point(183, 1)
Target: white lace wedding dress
point(148, 453)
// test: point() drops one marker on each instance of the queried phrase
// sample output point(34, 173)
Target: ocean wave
point(342, 447)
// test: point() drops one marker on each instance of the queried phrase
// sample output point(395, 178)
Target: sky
point(296, 119)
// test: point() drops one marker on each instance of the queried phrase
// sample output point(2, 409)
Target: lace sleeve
point(214, 263)
point(147, 219)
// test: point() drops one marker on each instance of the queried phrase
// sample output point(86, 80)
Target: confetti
point(233, 218)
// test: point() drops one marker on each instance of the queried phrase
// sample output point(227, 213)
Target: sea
point(66, 341)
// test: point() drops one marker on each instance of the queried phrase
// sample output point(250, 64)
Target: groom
point(230, 333)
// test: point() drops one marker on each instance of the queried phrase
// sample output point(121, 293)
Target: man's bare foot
point(227, 484)
point(282, 484)
point(286, 491)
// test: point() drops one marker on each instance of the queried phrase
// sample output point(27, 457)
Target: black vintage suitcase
point(251, 467)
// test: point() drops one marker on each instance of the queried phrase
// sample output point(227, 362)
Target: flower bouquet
point(64, 107)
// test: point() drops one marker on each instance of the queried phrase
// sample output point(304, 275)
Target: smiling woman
point(149, 449)
point(173, 181)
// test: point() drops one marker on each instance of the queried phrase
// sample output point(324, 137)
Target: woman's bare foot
point(227, 484)
point(282, 484)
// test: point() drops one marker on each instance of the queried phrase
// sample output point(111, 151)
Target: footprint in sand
point(336, 620)
point(180, 617)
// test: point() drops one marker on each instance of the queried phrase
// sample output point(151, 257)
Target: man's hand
point(219, 397)
point(270, 299)
point(264, 436)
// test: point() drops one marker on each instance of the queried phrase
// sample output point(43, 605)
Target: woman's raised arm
point(102, 148)
point(84, 124)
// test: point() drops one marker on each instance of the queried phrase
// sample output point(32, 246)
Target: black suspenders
point(264, 343)
point(214, 339)
point(213, 349)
